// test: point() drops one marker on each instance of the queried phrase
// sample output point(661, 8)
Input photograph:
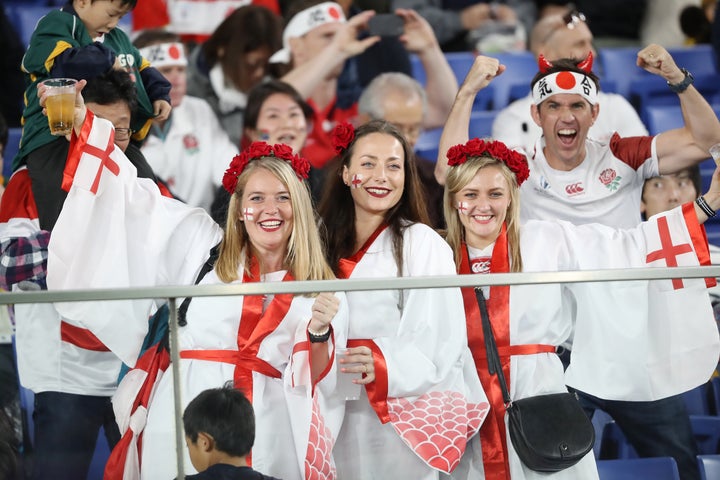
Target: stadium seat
point(698, 400)
point(25, 17)
point(481, 123)
point(659, 118)
point(460, 63)
point(427, 144)
point(709, 466)
point(706, 430)
point(715, 384)
point(657, 468)
point(521, 68)
point(100, 457)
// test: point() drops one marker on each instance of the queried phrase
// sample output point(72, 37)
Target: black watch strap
point(686, 82)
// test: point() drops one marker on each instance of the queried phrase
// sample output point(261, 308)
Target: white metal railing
point(172, 293)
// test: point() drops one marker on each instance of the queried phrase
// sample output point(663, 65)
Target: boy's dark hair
point(113, 86)
point(226, 415)
point(565, 65)
point(132, 3)
point(153, 36)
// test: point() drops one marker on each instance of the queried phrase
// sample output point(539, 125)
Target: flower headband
point(258, 150)
point(341, 136)
point(565, 82)
point(515, 161)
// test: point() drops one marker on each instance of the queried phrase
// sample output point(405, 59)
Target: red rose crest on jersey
point(610, 179)
point(190, 142)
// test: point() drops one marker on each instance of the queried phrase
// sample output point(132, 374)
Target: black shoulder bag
point(549, 432)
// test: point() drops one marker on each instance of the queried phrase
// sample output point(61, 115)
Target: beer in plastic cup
point(60, 104)
point(715, 153)
point(345, 386)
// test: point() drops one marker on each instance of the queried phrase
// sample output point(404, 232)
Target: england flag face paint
point(356, 181)
point(463, 208)
point(248, 214)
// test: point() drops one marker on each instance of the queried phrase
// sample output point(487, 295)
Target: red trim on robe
point(81, 337)
point(698, 236)
point(377, 390)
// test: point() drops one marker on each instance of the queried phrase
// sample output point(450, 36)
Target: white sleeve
point(118, 231)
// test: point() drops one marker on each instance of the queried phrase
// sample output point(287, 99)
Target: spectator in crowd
point(276, 113)
point(318, 41)
point(410, 346)
point(580, 180)
point(568, 36)
point(232, 61)
point(275, 347)
point(76, 375)
point(63, 45)
point(458, 23)
point(11, 81)
point(220, 432)
point(665, 192)
point(696, 22)
point(660, 23)
point(482, 208)
point(400, 100)
point(189, 150)
point(193, 20)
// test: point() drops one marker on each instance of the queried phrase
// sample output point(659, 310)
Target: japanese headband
point(565, 82)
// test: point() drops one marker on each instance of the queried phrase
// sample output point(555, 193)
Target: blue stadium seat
point(657, 468)
point(100, 457)
point(25, 17)
point(659, 118)
point(521, 68)
point(709, 466)
point(460, 63)
point(715, 384)
point(481, 123)
point(706, 430)
point(11, 149)
point(427, 144)
point(698, 400)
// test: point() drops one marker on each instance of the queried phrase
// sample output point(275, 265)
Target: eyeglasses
point(572, 18)
point(123, 133)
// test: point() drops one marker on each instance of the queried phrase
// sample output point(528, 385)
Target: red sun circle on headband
point(174, 52)
point(565, 80)
point(334, 13)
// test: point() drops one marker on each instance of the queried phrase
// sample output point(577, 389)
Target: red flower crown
point(341, 136)
point(258, 150)
point(515, 161)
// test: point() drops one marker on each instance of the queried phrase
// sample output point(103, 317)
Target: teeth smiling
point(270, 224)
point(566, 131)
point(482, 218)
point(377, 191)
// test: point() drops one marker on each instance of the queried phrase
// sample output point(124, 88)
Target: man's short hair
point(111, 87)
point(226, 415)
point(371, 100)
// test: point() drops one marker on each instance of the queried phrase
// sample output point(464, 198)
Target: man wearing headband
point(318, 40)
point(564, 36)
point(189, 151)
point(582, 180)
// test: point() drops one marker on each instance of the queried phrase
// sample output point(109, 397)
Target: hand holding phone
point(386, 25)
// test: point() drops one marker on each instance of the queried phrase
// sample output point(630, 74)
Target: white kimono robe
point(682, 348)
point(116, 230)
point(426, 402)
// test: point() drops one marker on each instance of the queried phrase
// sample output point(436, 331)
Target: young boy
point(220, 432)
point(79, 41)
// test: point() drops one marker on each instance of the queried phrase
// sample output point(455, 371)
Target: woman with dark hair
point(410, 346)
point(232, 61)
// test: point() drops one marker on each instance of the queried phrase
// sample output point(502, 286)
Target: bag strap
point(493, 358)
point(207, 266)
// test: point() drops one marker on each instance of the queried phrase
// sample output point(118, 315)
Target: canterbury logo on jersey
point(574, 188)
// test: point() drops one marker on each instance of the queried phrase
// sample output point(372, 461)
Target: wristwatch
point(686, 82)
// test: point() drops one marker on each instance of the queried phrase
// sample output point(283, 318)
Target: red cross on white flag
point(248, 214)
point(462, 207)
point(356, 180)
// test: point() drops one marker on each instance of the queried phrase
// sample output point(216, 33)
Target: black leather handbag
point(549, 432)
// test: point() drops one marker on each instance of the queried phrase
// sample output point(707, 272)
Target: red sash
point(377, 390)
point(492, 434)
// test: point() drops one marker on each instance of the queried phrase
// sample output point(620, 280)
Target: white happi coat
point(116, 230)
point(194, 154)
point(669, 322)
point(426, 387)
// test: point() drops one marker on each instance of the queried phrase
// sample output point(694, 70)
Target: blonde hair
point(305, 259)
point(457, 178)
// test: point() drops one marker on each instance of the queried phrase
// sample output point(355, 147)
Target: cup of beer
point(60, 104)
point(715, 153)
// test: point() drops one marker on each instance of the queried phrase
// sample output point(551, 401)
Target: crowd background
point(222, 64)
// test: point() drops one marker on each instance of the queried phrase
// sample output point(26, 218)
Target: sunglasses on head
point(572, 18)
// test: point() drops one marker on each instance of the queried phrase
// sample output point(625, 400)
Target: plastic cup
point(715, 153)
point(60, 105)
point(345, 386)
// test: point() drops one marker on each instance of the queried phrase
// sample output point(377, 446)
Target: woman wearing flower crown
point(118, 231)
point(482, 207)
point(411, 420)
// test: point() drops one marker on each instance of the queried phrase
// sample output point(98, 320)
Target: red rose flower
point(456, 155)
point(237, 165)
point(259, 149)
point(283, 151)
point(607, 176)
point(301, 166)
point(341, 136)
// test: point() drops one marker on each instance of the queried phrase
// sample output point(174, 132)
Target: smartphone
point(386, 25)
